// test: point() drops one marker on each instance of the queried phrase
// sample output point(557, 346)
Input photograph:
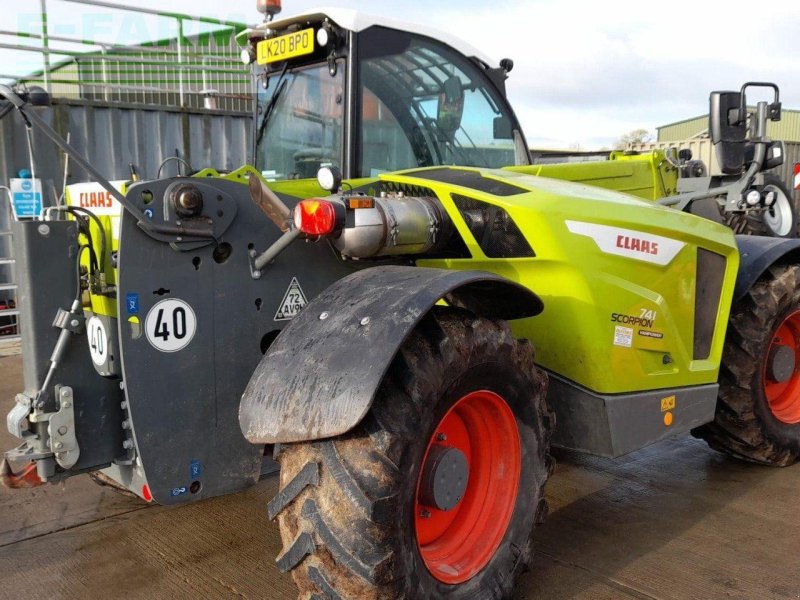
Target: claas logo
point(637, 245)
point(96, 200)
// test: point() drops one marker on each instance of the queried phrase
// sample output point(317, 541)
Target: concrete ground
point(675, 520)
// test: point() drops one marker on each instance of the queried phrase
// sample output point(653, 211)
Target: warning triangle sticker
point(293, 302)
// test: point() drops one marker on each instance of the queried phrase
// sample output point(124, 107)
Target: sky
point(586, 71)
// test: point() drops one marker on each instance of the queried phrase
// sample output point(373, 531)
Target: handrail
point(135, 88)
point(191, 66)
point(124, 59)
point(158, 13)
point(115, 47)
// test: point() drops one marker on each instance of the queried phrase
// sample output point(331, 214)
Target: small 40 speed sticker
point(98, 341)
point(170, 325)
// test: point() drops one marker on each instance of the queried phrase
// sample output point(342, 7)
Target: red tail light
point(315, 217)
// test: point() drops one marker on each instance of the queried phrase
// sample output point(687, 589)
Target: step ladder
point(9, 317)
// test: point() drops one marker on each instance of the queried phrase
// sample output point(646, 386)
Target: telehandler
point(363, 302)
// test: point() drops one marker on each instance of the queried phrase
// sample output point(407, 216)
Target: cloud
point(594, 70)
point(586, 71)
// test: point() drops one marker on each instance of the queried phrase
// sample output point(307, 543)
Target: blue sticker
point(133, 304)
point(195, 470)
point(177, 491)
point(148, 213)
point(26, 197)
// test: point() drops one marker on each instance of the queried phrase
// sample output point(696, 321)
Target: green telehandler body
point(404, 312)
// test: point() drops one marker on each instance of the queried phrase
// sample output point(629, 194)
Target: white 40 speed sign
point(170, 325)
point(98, 341)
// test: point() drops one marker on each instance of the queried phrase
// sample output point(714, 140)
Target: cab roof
point(356, 21)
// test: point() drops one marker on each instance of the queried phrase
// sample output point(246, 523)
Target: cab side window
point(384, 144)
point(424, 105)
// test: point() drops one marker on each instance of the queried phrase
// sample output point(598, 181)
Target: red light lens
point(315, 217)
point(148, 497)
point(271, 7)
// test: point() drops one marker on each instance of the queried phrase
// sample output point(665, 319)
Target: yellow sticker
point(136, 327)
point(668, 403)
point(286, 46)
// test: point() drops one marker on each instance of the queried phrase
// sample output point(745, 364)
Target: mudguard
point(757, 254)
point(319, 377)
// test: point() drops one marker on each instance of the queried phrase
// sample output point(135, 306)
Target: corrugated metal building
point(189, 97)
point(111, 136)
point(787, 129)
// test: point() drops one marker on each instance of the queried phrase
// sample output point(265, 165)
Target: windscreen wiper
point(273, 100)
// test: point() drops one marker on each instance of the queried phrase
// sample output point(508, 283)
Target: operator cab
point(338, 88)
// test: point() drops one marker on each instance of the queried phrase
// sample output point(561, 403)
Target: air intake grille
point(407, 189)
point(493, 229)
point(710, 276)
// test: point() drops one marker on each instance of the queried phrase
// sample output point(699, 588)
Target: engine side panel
point(618, 277)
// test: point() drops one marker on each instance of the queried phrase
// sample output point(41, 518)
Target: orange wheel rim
point(783, 394)
point(458, 543)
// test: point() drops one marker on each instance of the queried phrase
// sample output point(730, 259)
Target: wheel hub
point(467, 486)
point(781, 375)
point(444, 478)
point(780, 365)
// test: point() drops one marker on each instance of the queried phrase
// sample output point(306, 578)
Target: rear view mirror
point(728, 129)
point(775, 153)
point(773, 158)
point(503, 130)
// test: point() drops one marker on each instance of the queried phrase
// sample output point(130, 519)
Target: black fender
point(757, 254)
point(319, 377)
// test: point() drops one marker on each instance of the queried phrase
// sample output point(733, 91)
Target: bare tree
point(637, 136)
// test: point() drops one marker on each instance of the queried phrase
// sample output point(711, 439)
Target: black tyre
point(778, 220)
point(352, 510)
point(758, 410)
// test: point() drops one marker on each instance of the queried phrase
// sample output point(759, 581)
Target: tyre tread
point(736, 429)
point(344, 564)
